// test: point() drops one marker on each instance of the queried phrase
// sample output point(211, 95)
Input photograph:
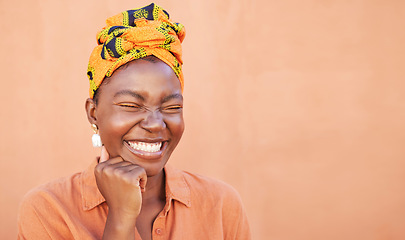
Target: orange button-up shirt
point(196, 207)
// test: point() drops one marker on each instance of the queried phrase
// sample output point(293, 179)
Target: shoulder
point(58, 188)
point(43, 207)
point(65, 191)
point(210, 186)
point(209, 191)
point(216, 203)
point(49, 199)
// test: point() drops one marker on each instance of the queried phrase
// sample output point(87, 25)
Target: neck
point(155, 188)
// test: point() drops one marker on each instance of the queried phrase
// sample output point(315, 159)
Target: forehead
point(151, 79)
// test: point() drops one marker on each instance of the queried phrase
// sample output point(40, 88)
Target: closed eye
point(129, 106)
point(173, 109)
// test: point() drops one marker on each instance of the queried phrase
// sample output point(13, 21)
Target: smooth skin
point(141, 102)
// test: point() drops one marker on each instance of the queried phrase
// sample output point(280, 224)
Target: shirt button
point(158, 231)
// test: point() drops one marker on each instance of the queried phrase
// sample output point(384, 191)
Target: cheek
point(176, 126)
point(115, 126)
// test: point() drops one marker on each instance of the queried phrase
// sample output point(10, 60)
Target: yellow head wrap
point(135, 34)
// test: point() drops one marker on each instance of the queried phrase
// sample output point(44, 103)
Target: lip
point(148, 155)
point(147, 140)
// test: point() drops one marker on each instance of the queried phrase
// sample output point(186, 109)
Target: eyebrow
point(172, 96)
point(131, 93)
point(139, 96)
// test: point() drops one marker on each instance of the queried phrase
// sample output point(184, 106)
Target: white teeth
point(146, 147)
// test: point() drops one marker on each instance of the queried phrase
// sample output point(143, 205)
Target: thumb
point(142, 181)
point(104, 156)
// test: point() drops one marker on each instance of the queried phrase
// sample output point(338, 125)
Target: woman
point(135, 108)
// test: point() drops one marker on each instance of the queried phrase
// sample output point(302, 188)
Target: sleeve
point(41, 217)
point(243, 229)
point(236, 225)
point(30, 225)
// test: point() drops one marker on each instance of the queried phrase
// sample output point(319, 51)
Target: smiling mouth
point(145, 147)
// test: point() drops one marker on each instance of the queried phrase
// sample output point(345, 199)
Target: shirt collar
point(91, 196)
point(176, 187)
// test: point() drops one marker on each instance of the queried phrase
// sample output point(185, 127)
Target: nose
point(153, 121)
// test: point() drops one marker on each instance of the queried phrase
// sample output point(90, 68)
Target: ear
point(91, 111)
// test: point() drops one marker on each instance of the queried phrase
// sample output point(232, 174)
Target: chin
point(153, 169)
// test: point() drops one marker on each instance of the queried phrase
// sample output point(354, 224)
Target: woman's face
point(139, 114)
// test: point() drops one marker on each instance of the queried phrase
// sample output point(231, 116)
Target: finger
point(104, 156)
point(138, 172)
point(102, 166)
point(133, 170)
point(127, 166)
point(122, 169)
point(117, 162)
point(110, 165)
point(142, 180)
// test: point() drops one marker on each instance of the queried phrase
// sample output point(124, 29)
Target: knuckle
point(131, 178)
point(98, 169)
point(117, 172)
point(108, 171)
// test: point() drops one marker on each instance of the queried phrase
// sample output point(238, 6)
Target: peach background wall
point(300, 105)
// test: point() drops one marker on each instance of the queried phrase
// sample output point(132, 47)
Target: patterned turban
point(135, 34)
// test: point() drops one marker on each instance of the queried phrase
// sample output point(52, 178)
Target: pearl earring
point(96, 138)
